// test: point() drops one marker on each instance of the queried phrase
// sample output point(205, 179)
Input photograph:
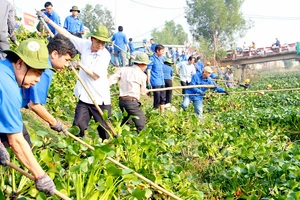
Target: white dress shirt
point(186, 71)
point(98, 63)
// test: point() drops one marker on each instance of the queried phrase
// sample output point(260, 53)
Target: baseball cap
point(33, 52)
point(208, 69)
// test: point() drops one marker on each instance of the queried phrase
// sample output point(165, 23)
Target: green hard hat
point(101, 34)
point(168, 60)
point(75, 8)
point(142, 58)
point(33, 52)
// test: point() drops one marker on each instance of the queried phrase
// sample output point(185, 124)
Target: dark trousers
point(132, 107)
point(159, 97)
point(83, 114)
point(168, 83)
point(4, 139)
point(184, 83)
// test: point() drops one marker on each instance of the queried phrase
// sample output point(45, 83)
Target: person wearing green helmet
point(95, 59)
point(22, 68)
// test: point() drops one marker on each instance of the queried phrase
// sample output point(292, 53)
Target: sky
point(271, 18)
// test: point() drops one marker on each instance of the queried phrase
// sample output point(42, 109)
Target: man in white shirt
point(132, 86)
point(187, 70)
point(95, 59)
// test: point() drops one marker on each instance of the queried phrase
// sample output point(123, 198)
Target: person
point(145, 48)
point(199, 65)
point(7, 25)
point(131, 50)
point(269, 87)
point(153, 45)
point(22, 68)
point(61, 50)
point(155, 77)
point(177, 56)
point(132, 85)
point(73, 24)
point(277, 43)
point(51, 14)
point(171, 53)
point(246, 85)
point(196, 94)
point(120, 45)
point(95, 59)
point(187, 70)
point(168, 76)
point(253, 46)
point(183, 57)
point(40, 26)
point(228, 77)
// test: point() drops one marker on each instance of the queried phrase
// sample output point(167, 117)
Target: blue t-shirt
point(157, 74)
point(38, 93)
point(199, 67)
point(183, 57)
point(198, 80)
point(131, 47)
point(73, 24)
point(168, 72)
point(120, 40)
point(10, 100)
point(55, 18)
point(152, 48)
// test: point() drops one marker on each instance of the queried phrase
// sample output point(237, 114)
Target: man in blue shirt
point(183, 57)
point(155, 77)
point(21, 69)
point(60, 50)
point(153, 45)
point(73, 24)
point(120, 46)
point(168, 76)
point(51, 14)
point(131, 50)
point(196, 94)
point(199, 65)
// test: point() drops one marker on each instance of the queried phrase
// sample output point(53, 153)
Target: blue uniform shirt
point(168, 72)
point(10, 100)
point(198, 80)
point(38, 93)
point(152, 48)
point(73, 24)
point(120, 40)
point(172, 53)
point(55, 18)
point(157, 74)
point(183, 57)
point(199, 67)
point(131, 47)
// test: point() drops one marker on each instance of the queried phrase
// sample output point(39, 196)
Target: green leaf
point(41, 196)
point(138, 193)
point(41, 133)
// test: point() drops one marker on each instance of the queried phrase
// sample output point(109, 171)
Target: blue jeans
point(198, 106)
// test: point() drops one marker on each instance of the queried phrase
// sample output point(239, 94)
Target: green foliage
point(171, 34)
point(93, 16)
point(217, 21)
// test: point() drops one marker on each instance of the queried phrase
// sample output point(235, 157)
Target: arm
point(113, 79)
point(66, 23)
point(89, 72)
point(148, 75)
point(41, 111)
point(143, 86)
point(195, 81)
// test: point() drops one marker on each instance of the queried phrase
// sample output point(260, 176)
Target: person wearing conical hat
point(21, 69)
point(95, 59)
point(73, 24)
point(132, 86)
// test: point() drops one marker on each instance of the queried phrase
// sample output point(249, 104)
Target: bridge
point(243, 61)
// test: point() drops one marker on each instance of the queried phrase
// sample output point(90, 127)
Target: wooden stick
point(257, 91)
point(57, 193)
point(122, 49)
point(46, 26)
point(107, 122)
point(124, 167)
point(181, 87)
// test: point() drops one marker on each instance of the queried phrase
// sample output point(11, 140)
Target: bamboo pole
point(46, 26)
point(124, 167)
point(11, 165)
point(107, 122)
point(259, 91)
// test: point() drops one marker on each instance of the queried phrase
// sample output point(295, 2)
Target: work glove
point(226, 92)
point(45, 184)
point(40, 14)
point(148, 86)
point(4, 156)
point(59, 127)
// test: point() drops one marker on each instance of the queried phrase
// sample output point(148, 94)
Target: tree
point(93, 16)
point(217, 21)
point(171, 34)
